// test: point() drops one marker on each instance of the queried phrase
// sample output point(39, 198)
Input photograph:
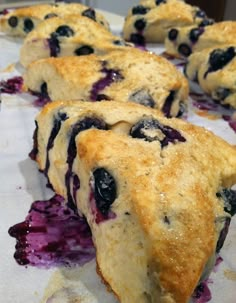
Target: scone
point(21, 21)
point(151, 20)
point(131, 75)
point(152, 193)
point(214, 69)
point(181, 42)
point(67, 36)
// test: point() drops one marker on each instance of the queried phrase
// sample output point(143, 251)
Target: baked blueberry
point(184, 49)
point(206, 22)
point(172, 34)
point(142, 97)
point(222, 93)
point(151, 130)
point(101, 97)
point(229, 198)
point(54, 45)
point(166, 109)
point(44, 90)
point(51, 15)
point(200, 13)
point(105, 191)
point(58, 120)
point(64, 31)
point(90, 13)
point(84, 50)
point(13, 21)
point(223, 235)
point(160, 1)
point(219, 58)
point(195, 33)
point(137, 39)
point(140, 10)
point(140, 24)
point(28, 25)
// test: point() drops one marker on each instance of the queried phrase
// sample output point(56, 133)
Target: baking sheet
point(21, 184)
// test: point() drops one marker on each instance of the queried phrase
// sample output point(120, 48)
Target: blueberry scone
point(131, 75)
point(158, 201)
point(67, 36)
point(151, 20)
point(181, 42)
point(21, 21)
point(214, 69)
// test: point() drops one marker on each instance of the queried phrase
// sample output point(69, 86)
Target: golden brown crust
point(159, 19)
point(139, 77)
point(86, 33)
point(219, 84)
point(166, 222)
point(38, 13)
point(218, 34)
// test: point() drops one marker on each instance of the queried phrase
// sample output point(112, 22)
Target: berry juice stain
point(202, 293)
point(52, 235)
point(11, 86)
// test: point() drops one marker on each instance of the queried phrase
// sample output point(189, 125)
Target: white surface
point(21, 184)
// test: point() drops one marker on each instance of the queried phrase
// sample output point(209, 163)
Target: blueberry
point(51, 15)
point(54, 45)
point(229, 198)
point(200, 13)
point(206, 22)
point(28, 25)
point(142, 97)
point(223, 235)
point(13, 21)
point(137, 39)
point(90, 13)
point(160, 1)
point(54, 132)
point(84, 50)
point(144, 129)
point(184, 49)
point(105, 191)
point(222, 93)
point(44, 90)
point(219, 58)
point(173, 33)
point(101, 97)
point(140, 10)
point(140, 24)
point(195, 33)
point(64, 31)
point(166, 109)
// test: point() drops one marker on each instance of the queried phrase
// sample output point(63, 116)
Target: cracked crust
point(139, 72)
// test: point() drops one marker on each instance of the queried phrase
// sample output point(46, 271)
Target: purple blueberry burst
point(110, 76)
point(52, 235)
point(11, 86)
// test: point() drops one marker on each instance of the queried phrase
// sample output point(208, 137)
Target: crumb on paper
point(230, 274)
point(207, 115)
point(9, 68)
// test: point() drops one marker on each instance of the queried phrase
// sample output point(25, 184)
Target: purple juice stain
point(202, 293)
point(42, 96)
point(11, 86)
point(111, 76)
point(52, 235)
